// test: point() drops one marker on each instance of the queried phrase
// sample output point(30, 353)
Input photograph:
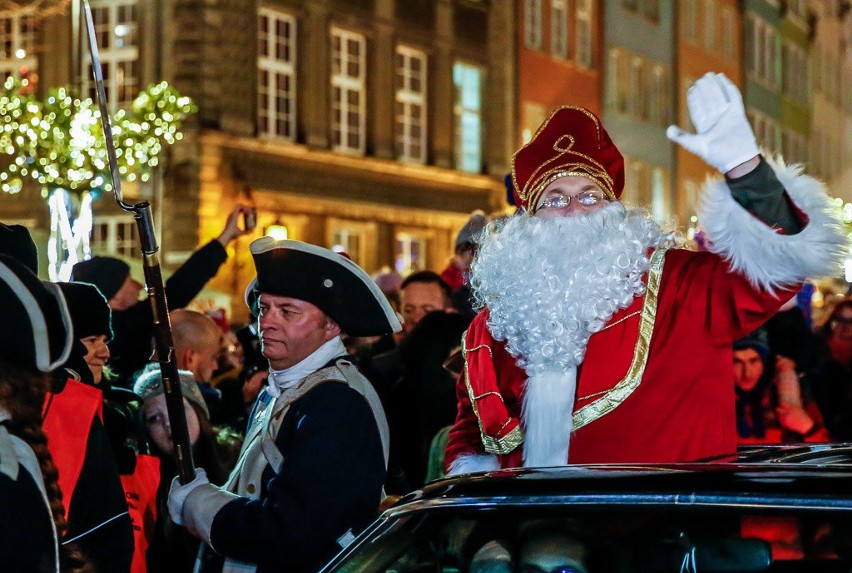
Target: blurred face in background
point(97, 354)
point(417, 300)
point(127, 295)
point(156, 417)
point(841, 323)
point(748, 368)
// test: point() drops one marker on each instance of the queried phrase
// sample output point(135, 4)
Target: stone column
point(443, 89)
point(314, 69)
point(380, 87)
point(500, 90)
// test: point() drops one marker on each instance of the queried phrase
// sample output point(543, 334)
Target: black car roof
point(818, 476)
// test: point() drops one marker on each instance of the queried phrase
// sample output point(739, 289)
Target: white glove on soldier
point(725, 138)
point(179, 492)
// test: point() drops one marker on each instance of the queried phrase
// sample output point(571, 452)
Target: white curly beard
point(549, 284)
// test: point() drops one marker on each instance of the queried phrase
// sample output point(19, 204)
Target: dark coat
point(330, 483)
point(26, 530)
point(133, 328)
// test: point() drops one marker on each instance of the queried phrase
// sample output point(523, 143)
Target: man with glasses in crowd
point(595, 331)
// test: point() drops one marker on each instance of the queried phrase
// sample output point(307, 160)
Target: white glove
point(179, 492)
point(725, 138)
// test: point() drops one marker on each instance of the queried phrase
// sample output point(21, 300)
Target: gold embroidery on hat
point(536, 183)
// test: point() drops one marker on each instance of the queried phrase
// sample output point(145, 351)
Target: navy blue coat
point(330, 482)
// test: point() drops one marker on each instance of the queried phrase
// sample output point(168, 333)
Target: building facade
point(639, 97)
point(559, 58)
point(358, 125)
point(709, 39)
point(831, 75)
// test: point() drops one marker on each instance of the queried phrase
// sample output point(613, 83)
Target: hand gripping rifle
point(153, 277)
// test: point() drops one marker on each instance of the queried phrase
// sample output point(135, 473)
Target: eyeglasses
point(586, 199)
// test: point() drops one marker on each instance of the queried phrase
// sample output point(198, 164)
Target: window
point(651, 9)
point(584, 33)
point(729, 29)
point(633, 172)
point(559, 29)
point(797, 8)
point(685, 119)
point(410, 253)
point(532, 24)
point(637, 95)
point(660, 207)
point(534, 115)
point(659, 96)
point(617, 79)
point(710, 25)
point(760, 50)
point(276, 68)
point(116, 236)
point(468, 117)
point(410, 119)
point(691, 193)
point(116, 29)
point(767, 131)
point(690, 20)
point(348, 85)
point(356, 238)
point(17, 48)
point(795, 147)
point(794, 73)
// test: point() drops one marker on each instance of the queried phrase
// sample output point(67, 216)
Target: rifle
point(153, 277)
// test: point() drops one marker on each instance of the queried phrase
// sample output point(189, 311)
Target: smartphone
point(250, 219)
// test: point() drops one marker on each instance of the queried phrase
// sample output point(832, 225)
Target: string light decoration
point(59, 143)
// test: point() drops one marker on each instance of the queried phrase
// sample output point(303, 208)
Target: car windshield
point(590, 539)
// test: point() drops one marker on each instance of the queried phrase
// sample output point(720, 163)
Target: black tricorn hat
point(328, 280)
point(37, 331)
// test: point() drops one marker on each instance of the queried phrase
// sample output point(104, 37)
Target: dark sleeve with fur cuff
point(761, 194)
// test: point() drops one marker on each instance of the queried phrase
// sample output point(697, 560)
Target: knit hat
point(15, 241)
point(150, 384)
point(90, 312)
point(331, 282)
point(36, 331)
point(757, 340)
point(106, 273)
point(572, 142)
point(470, 229)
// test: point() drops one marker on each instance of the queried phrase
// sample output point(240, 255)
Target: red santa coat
point(664, 396)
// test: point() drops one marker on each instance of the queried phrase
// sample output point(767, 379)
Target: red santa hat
point(572, 142)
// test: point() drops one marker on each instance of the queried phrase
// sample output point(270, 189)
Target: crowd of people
point(555, 335)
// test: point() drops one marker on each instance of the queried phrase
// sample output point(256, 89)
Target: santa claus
point(596, 331)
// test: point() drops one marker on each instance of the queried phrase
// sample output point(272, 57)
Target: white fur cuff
point(768, 259)
point(474, 463)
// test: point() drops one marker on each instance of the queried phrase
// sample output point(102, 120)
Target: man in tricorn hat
point(314, 460)
point(594, 333)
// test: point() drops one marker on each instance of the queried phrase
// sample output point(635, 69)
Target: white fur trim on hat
point(473, 463)
point(768, 259)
